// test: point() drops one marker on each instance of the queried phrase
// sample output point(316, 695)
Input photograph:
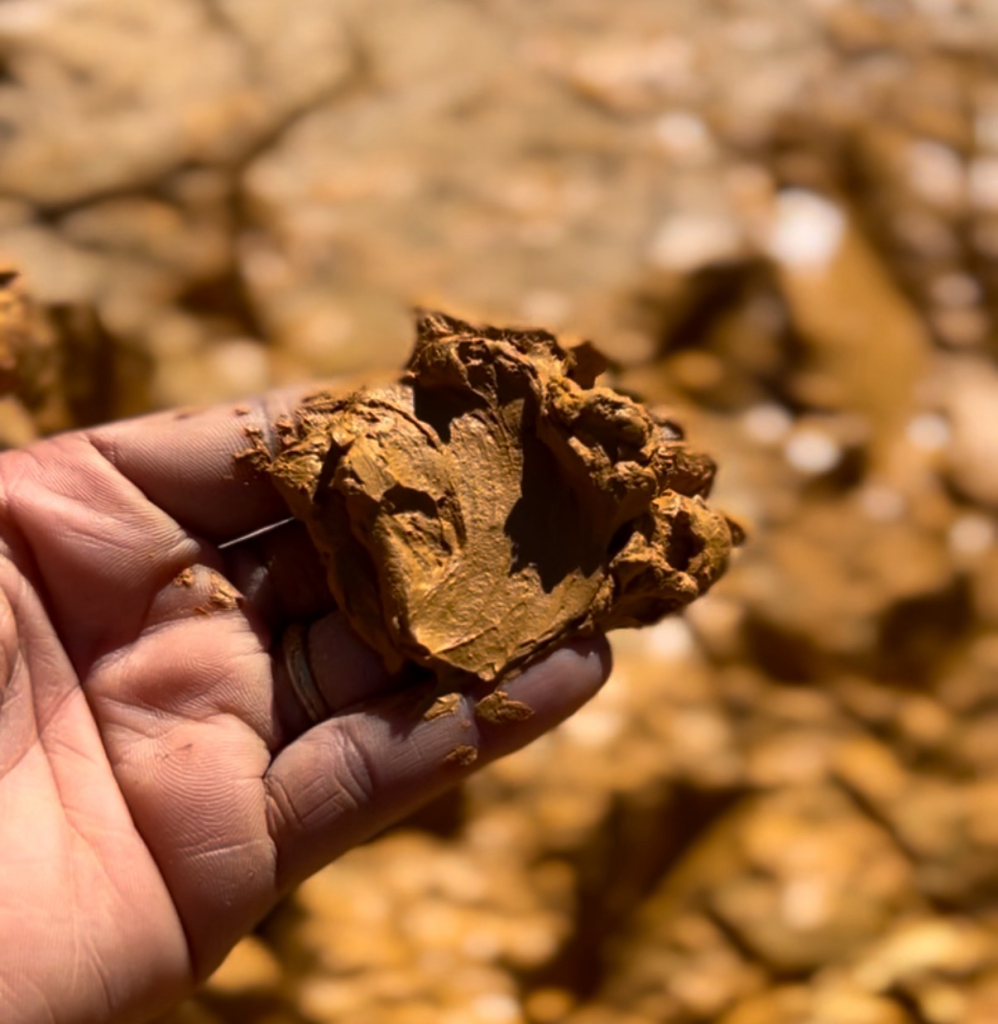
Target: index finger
point(187, 463)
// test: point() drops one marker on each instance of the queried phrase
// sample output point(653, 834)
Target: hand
point(161, 786)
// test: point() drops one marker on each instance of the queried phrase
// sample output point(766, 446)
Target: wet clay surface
point(496, 501)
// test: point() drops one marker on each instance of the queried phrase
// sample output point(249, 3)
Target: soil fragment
point(464, 756)
point(257, 455)
point(496, 501)
point(446, 704)
point(223, 596)
point(498, 707)
point(184, 578)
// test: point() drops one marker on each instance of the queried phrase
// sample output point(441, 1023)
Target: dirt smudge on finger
point(499, 707)
point(464, 756)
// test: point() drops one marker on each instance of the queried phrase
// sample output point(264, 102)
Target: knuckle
point(356, 777)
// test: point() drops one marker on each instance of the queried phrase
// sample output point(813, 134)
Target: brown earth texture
point(778, 220)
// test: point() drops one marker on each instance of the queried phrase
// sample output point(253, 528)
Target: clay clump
point(495, 501)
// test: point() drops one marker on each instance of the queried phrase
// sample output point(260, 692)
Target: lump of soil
point(495, 501)
point(21, 332)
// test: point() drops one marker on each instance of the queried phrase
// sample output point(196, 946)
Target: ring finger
point(322, 668)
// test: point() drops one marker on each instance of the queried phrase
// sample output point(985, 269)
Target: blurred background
point(779, 218)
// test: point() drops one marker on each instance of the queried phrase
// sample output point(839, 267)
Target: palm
point(159, 785)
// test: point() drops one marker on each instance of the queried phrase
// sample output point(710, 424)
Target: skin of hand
point(160, 786)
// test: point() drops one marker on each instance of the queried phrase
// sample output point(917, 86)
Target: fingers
point(343, 669)
point(351, 776)
point(280, 574)
point(112, 515)
point(94, 544)
point(187, 463)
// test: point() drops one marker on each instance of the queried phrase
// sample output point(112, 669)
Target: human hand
point(161, 785)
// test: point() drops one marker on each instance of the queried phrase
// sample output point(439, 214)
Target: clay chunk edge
point(495, 501)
